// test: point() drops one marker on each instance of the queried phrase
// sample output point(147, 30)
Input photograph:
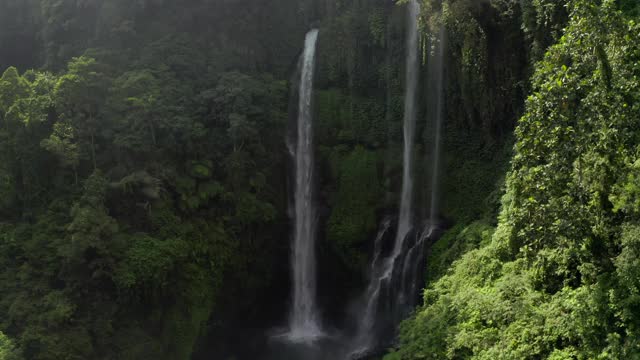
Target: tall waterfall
point(436, 73)
point(412, 73)
point(383, 290)
point(304, 320)
point(409, 285)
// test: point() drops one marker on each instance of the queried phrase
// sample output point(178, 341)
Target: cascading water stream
point(373, 292)
point(383, 271)
point(395, 279)
point(412, 73)
point(304, 320)
point(437, 71)
point(377, 247)
point(436, 78)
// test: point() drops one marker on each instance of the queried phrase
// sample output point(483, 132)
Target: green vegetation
point(144, 173)
point(7, 349)
point(129, 191)
point(556, 280)
point(353, 215)
point(108, 212)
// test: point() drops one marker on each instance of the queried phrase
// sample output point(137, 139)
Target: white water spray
point(383, 271)
point(304, 320)
point(412, 72)
point(437, 71)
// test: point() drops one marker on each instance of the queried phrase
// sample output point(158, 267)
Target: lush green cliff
point(145, 175)
point(556, 278)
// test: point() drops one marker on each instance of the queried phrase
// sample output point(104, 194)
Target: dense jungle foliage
point(558, 277)
point(144, 173)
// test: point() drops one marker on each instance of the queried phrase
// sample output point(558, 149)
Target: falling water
point(378, 245)
point(303, 322)
point(412, 261)
point(437, 71)
point(436, 92)
point(383, 272)
point(368, 314)
point(412, 68)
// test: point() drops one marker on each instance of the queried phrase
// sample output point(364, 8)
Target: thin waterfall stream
point(395, 280)
point(436, 71)
point(382, 281)
point(412, 73)
point(304, 322)
point(436, 117)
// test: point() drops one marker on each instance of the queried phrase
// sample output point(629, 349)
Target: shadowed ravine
point(394, 272)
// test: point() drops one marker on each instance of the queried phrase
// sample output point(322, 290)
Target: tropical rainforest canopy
point(145, 174)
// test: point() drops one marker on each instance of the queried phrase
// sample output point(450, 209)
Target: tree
point(556, 280)
point(7, 349)
point(80, 97)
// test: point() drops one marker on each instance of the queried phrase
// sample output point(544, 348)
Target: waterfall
point(435, 117)
point(436, 70)
point(395, 280)
point(409, 285)
point(378, 244)
point(370, 301)
point(381, 289)
point(304, 323)
point(412, 72)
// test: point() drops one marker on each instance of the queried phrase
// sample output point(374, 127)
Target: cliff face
point(162, 125)
point(552, 280)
